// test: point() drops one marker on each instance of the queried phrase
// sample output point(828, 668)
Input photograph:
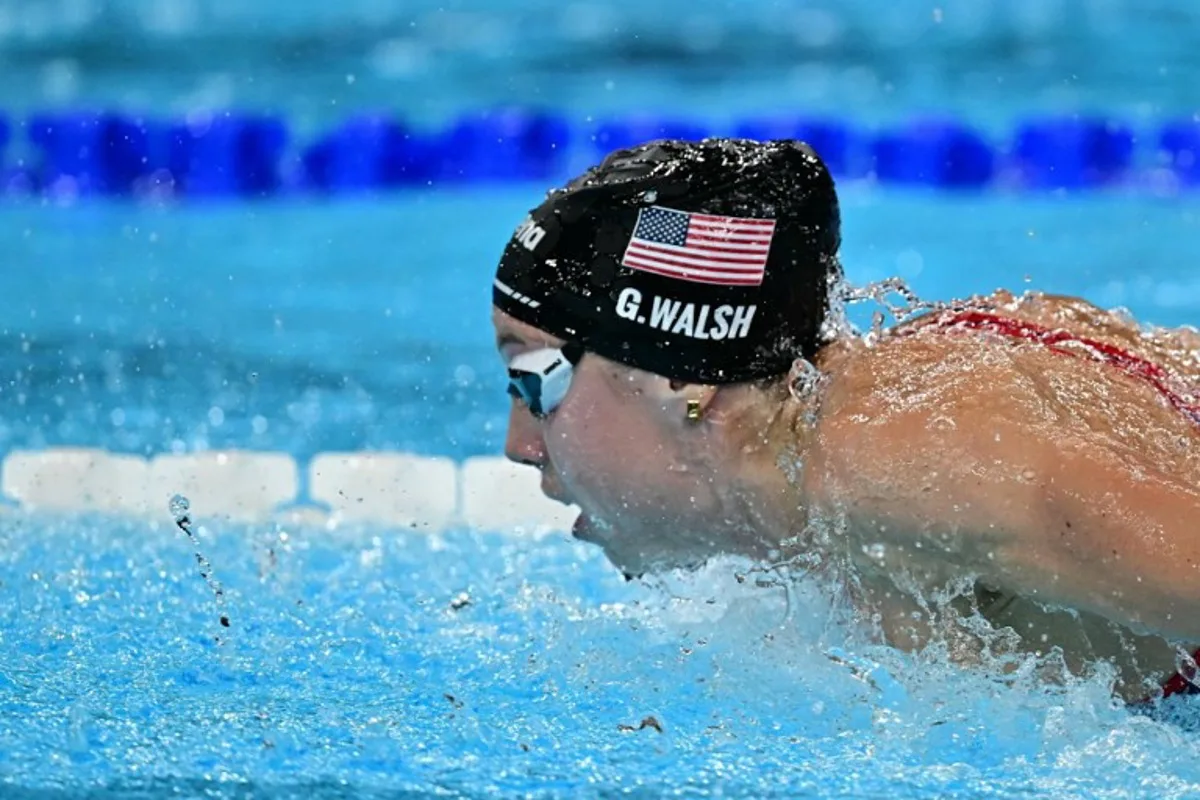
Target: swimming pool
point(347, 669)
point(374, 658)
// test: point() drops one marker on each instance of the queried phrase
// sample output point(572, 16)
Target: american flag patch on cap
point(702, 248)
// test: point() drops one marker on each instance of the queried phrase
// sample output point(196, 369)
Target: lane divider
point(68, 154)
point(394, 490)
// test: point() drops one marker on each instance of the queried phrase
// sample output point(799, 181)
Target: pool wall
point(393, 489)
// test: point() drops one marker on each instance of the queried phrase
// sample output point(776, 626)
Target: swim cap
point(705, 262)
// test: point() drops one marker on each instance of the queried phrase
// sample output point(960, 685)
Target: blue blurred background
point(871, 60)
point(151, 319)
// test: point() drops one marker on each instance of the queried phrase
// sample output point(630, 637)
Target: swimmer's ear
point(690, 402)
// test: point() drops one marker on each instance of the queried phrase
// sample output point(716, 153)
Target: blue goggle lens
point(540, 378)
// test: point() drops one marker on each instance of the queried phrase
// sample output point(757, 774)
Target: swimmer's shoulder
point(916, 371)
point(922, 372)
point(1175, 349)
point(1053, 311)
point(1077, 315)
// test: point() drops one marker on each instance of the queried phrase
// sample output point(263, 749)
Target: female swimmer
point(670, 323)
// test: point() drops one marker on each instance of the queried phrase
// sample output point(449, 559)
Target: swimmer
point(673, 329)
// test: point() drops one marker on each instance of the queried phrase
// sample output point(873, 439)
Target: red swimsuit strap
point(1067, 343)
point(1182, 682)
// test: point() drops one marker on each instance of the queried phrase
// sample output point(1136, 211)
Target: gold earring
point(693, 411)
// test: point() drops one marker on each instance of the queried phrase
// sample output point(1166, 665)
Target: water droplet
point(179, 507)
point(842, 294)
point(464, 376)
point(806, 379)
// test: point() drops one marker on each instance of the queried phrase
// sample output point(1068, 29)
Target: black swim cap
point(706, 262)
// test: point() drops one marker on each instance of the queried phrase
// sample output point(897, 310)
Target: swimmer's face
point(615, 447)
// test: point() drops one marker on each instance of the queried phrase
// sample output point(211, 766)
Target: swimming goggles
point(541, 378)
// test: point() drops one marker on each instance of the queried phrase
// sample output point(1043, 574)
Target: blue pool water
point(351, 667)
point(348, 671)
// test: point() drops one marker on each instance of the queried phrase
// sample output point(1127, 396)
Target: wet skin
point(1068, 488)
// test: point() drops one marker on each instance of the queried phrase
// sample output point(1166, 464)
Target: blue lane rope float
point(238, 155)
point(364, 153)
point(1179, 146)
point(378, 152)
point(943, 154)
point(104, 153)
point(1074, 153)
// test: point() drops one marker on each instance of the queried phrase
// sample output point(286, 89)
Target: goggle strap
point(573, 352)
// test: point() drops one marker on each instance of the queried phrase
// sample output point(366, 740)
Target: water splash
point(842, 294)
point(180, 508)
point(550, 664)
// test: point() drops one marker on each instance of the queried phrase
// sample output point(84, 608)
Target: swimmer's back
point(1177, 350)
point(1055, 472)
point(971, 376)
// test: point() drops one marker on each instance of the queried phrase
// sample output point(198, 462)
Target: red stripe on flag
point(747, 221)
point(700, 278)
point(699, 240)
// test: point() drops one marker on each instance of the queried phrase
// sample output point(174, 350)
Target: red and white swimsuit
point(1061, 341)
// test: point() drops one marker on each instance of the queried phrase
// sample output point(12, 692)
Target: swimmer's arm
point(1064, 523)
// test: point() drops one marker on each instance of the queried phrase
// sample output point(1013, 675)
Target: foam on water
point(360, 662)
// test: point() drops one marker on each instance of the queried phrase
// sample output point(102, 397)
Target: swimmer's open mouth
point(582, 529)
point(586, 529)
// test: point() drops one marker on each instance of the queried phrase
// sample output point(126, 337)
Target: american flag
point(703, 248)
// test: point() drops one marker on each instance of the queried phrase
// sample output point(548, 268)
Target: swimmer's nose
point(524, 443)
